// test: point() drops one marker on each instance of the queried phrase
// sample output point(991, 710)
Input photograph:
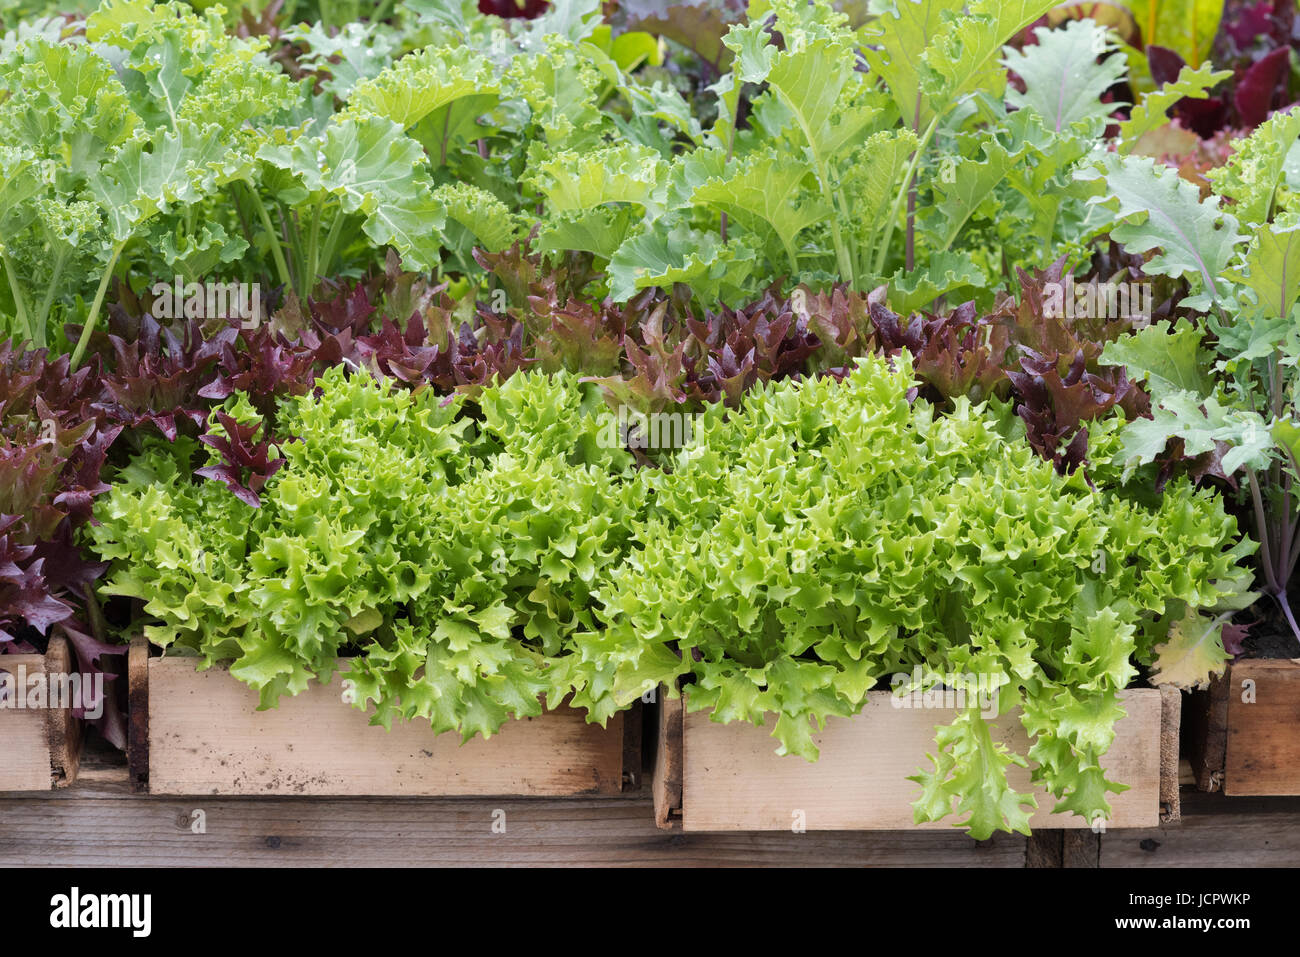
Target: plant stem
point(909, 247)
point(731, 147)
point(898, 199)
point(281, 267)
point(95, 615)
point(1286, 610)
point(239, 211)
point(1276, 585)
point(20, 301)
point(93, 317)
point(1284, 522)
point(308, 278)
point(446, 135)
point(1294, 555)
point(790, 252)
point(331, 240)
point(1261, 527)
point(823, 179)
point(1292, 550)
point(42, 317)
point(292, 239)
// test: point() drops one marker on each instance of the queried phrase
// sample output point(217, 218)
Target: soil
point(1269, 636)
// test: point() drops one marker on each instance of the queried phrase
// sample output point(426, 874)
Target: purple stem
point(1286, 610)
point(1261, 526)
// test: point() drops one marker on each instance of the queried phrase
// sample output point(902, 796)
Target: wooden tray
point(40, 749)
point(198, 733)
point(716, 777)
point(1244, 732)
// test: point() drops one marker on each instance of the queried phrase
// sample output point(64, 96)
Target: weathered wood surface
point(733, 780)
point(24, 736)
point(206, 737)
point(1216, 831)
point(1171, 713)
point(39, 749)
point(667, 783)
point(1263, 728)
point(99, 822)
point(1205, 733)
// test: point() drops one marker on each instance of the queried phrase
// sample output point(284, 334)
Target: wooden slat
point(24, 735)
point(1263, 741)
point(1171, 711)
point(1081, 849)
point(63, 730)
point(632, 733)
point(668, 763)
point(206, 737)
point(99, 823)
point(1044, 848)
point(1216, 831)
point(1205, 732)
point(39, 749)
point(733, 780)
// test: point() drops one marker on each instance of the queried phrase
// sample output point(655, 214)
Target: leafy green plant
point(828, 535)
point(888, 153)
point(814, 170)
point(1223, 384)
point(104, 159)
point(457, 557)
point(527, 218)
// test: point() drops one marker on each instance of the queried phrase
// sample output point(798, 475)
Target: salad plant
point(149, 139)
point(822, 536)
point(460, 555)
point(1223, 378)
point(829, 535)
point(833, 235)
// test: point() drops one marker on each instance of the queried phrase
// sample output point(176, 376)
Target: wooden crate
point(1244, 732)
point(198, 733)
point(39, 750)
point(716, 777)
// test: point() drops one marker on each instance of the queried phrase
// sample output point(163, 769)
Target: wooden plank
point(1045, 848)
point(99, 823)
point(1216, 831)
point(39, 748)
point(24, 734)
point(1171, 710)
point(137, 747)
point(1081, 849)
point(632, 731)
point(1205, 732)
point(63, 729)
point(667, 788)
point(733, 780)
point(206, 737)
point(1263, 741)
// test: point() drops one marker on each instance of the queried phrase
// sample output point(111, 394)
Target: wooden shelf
point(99, 821)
